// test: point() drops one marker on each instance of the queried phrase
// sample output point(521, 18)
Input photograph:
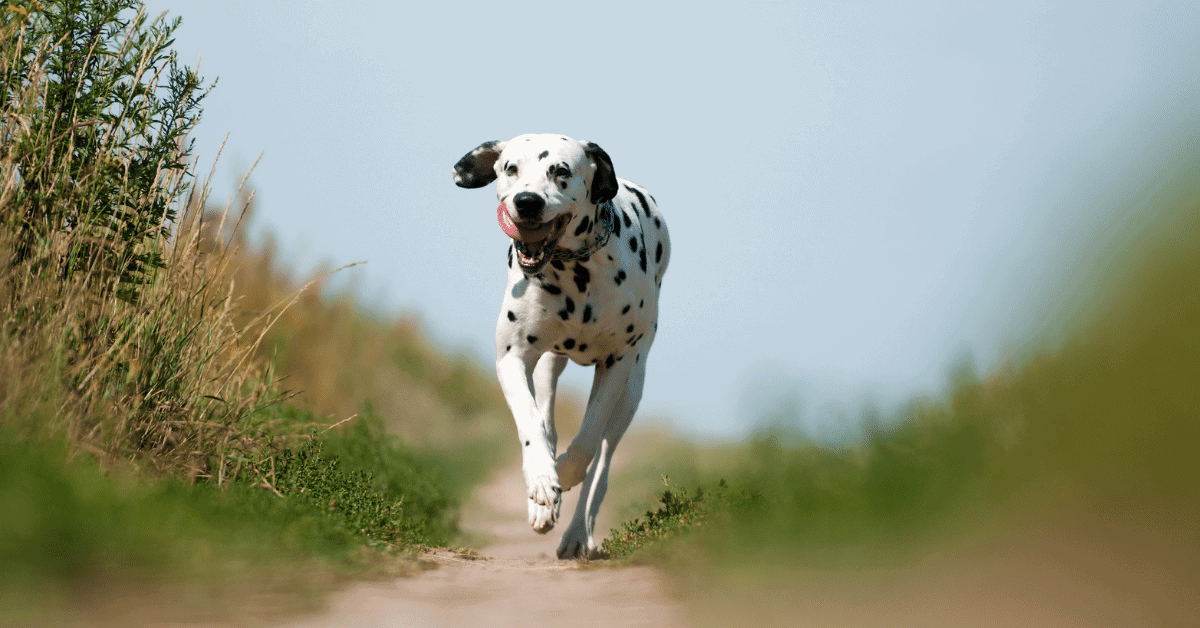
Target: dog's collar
point(604, 231)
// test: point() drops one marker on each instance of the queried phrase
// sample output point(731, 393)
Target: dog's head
point(544, 183)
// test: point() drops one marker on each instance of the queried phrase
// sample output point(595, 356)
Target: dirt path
point(517, 581)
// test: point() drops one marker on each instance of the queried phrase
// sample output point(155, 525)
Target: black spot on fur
point(531, 339)
point(633, 243)
point(587, 312)
point(551, 288)
point(583, 225)
point(582, 277)
point(583, 347)
point(562, 185)
point(624, 310)
point(526, 443)
point(642, 259)
point(641, 304)
point(657, 223)
point(616, 227)
point(641, 199)
point(608, 362)
point(544, 155)
point(510, 256)
point(570, 304)
point(638, 358)
point(508, 348)
point(629, 330)
point(557, 264)
point(658, 253)
point(628, 220)
point(620, 277)
point(569, 343)
point(556, 348)
point(563, 314)
point(511, 316)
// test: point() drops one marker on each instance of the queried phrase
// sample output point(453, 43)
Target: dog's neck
point(587, 231)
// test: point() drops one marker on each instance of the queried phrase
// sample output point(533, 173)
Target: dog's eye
point(559, 171)
point(511, 170)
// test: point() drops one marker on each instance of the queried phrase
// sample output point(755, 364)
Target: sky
point(860, 195)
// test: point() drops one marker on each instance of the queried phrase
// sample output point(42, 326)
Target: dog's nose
point(529, 205)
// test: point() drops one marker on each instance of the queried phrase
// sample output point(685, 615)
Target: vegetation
point(1095, 436)
point(144, 432)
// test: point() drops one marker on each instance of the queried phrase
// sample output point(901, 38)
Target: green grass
point(353, 498)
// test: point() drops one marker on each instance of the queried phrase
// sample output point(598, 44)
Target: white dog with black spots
point(585, 266)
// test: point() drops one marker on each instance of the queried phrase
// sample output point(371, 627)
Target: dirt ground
point(515, 580)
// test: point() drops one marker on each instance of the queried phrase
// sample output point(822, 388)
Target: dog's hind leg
point(613, 389)
point(579, 539)
point(529, 388)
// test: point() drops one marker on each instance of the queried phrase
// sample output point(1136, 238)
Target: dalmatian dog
point(585, 265)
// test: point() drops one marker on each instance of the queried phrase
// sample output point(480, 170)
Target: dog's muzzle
point(533, 240)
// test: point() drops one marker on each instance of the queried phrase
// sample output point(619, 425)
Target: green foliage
point(787, 500)
point(93, 150)
point(351, 497)
point(679, 514)
point(371, 481)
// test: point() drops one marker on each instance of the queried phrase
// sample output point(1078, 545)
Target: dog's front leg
point(528, 384)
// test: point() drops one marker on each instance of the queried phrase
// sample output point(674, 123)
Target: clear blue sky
point(859, 194)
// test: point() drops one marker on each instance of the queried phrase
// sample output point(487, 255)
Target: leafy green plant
point(94, 135)
point(679, 514)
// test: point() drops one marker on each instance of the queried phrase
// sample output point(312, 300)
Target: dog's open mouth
point(534, 241)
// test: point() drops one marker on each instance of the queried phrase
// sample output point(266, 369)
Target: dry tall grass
point(127, 343)
point(335, 357)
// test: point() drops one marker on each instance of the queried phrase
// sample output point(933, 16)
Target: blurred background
point(931, 332)
point(860, 195)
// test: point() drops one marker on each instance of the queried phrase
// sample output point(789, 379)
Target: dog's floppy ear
point(604, 182)
point(478, 167)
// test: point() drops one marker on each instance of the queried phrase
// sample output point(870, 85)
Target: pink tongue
point(506, 223)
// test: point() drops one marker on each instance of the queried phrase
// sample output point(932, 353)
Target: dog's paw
point(545, 490)
point(577, 543)
point(542, 518)
point(572, 466)
point(545, 499)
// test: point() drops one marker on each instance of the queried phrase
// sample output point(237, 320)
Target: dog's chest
point(593, 312)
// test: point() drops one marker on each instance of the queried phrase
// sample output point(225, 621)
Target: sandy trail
point(515, 582)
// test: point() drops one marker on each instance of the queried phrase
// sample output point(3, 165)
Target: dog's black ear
point(478, 167)
point(604, 182)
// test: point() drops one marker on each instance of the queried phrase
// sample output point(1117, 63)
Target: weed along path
point(513, 580)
